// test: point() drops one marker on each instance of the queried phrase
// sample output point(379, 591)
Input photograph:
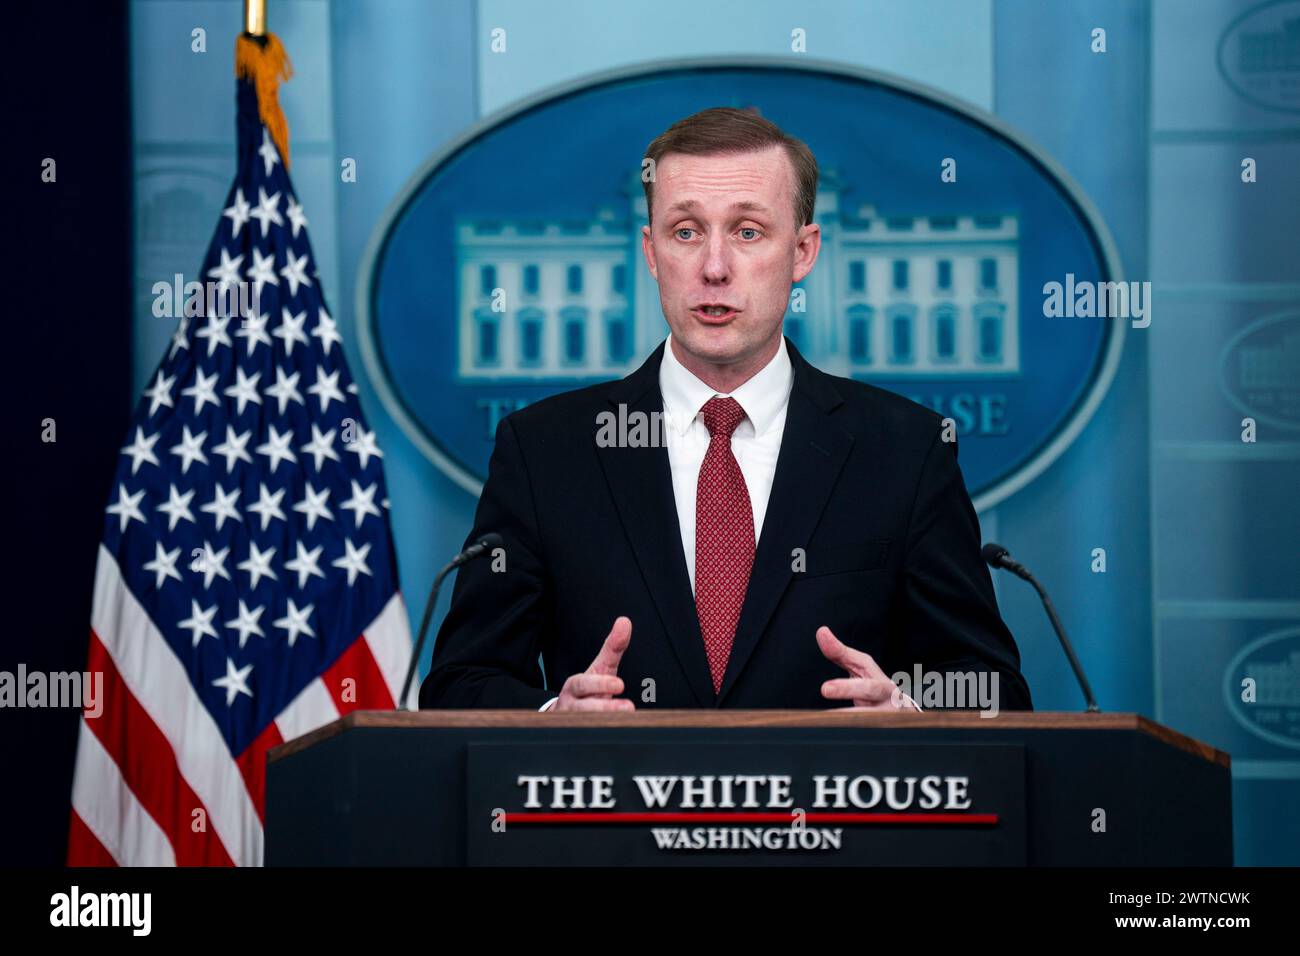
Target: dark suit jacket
point(863, 483)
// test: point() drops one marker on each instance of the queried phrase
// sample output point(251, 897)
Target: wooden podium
point(709, 787)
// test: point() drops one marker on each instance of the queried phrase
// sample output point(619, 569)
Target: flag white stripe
point(389, 638)
point(105, 803)
point(155, 676)
point(312, 708)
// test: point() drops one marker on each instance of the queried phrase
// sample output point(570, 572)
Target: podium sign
point(675, 803)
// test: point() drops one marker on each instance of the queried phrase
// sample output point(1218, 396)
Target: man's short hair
point(724, 129)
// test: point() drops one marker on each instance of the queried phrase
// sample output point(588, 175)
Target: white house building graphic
point(907, 296)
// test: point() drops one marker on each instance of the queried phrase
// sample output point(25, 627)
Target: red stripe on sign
point(148, 765)
point(84, 848)
point(356, 682)
point(252, 764)
point(954, 819)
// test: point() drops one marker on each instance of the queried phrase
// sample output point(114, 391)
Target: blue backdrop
point(1201, 531)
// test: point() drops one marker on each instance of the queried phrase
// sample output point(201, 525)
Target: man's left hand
point(868, 688)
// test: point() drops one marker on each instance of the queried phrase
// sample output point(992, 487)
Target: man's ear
point(648, 250)
point(807, 246)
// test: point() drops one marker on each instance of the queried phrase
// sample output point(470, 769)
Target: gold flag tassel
point(262, 61)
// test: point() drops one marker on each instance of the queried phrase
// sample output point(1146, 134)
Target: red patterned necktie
point(724, 537)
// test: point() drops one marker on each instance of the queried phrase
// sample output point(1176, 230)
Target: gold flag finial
point(255, 17)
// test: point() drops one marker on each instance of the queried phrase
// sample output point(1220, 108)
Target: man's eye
point(682, 230)
point(749, 230)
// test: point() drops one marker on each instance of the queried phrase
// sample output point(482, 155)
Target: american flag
point(246, 588)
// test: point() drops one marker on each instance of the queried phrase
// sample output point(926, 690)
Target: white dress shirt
point(756, 442)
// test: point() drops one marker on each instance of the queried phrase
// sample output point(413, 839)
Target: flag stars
point(177, 507)
point(326, 388)
point(127, 507)
point(294, 622)
point(296, 218)
point(276, 447)
point(226, 272)
point(262, 271)
point(203, 391)
point(268, 505)
point(141, 450)
point(160, 393)
point(199, 623)
point(178, 337)
point(257, 564)
point(186, 564)
point(215, 332)
point(285, 389)
point(267, 210)
point(244, 390)
point(253, 329)
point(327, 330)
point(212, 564)
point(361, 503)
point(222, 506)
point(190, 448)
point(313, 506)
point(321, 446)
point(290, 329)
point(246, 623)
point(235, 682)
point(234, 448)
point(281, 273)
point(353, 560)
point(163, 565)
point(364, 446)
point(237, 212)
point(270, 156)
point(305, 564)
point(295, 271)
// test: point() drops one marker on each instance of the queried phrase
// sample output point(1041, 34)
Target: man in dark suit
point(728, 526)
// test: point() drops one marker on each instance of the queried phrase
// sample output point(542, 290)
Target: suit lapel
point(813, 451)
point(640, 480)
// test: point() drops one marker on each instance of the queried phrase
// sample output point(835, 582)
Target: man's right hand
point(594, 689)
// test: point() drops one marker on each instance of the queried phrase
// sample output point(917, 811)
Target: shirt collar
point(762, 396)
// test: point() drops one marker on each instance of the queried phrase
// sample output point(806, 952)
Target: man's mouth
point(713, 313)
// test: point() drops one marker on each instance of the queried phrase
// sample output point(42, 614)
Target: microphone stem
point(424, 630)
point(1065, 643)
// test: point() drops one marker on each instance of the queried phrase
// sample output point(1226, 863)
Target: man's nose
point(717, 260)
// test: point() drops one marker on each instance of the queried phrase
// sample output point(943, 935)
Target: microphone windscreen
point(993, 554)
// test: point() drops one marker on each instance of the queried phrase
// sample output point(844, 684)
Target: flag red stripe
point(148, 764)
point(389, 638)
point(953, 819)
point(252, 764)
point(368, 689)
point(84, 848)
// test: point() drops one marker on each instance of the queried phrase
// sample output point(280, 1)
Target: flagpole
point(255, 17)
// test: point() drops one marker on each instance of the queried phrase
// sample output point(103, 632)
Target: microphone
point(997, 556)
point(483, 545)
